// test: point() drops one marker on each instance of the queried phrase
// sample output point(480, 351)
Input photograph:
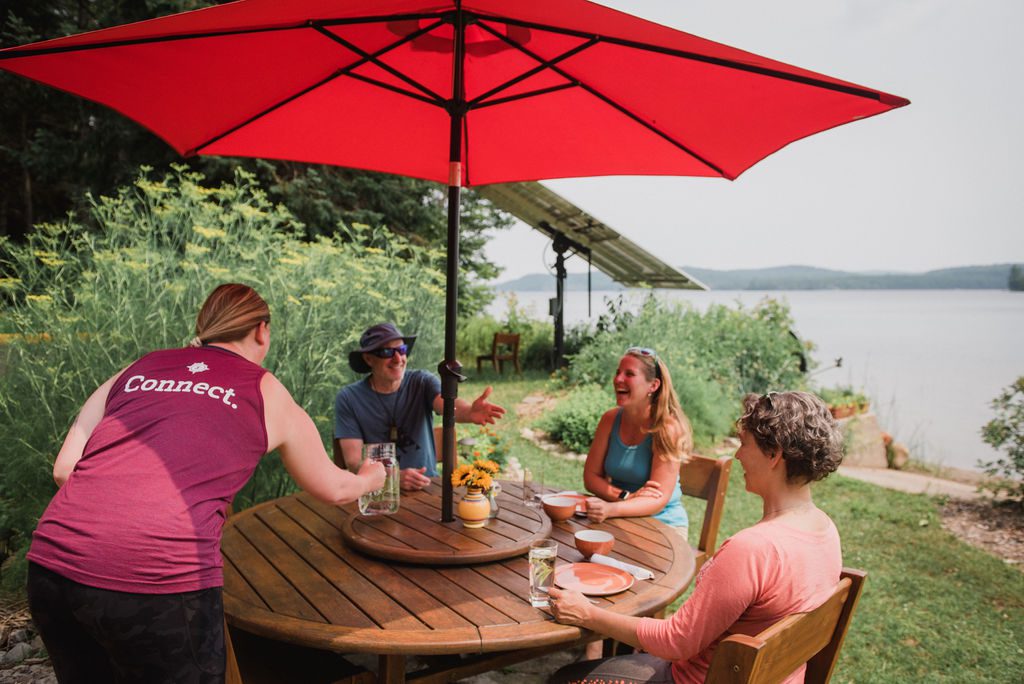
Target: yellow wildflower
point(209, 233)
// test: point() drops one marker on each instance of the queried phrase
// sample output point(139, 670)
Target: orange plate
point(592, 579)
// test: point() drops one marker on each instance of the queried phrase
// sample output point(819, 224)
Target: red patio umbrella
point(466, 93)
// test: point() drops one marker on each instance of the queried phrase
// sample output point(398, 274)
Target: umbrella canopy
point(466, 93)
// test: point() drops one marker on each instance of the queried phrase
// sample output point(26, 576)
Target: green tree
point(1016, 279)
point(56, 149)
point(1005, 432)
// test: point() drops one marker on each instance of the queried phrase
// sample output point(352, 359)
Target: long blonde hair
point(229, 313)
point(665, 405)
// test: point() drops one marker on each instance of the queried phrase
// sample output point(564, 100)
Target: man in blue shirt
point(393, 405)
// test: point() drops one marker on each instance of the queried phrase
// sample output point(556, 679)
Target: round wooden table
point(288, 575)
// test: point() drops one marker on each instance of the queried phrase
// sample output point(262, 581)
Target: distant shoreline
point(991, 277)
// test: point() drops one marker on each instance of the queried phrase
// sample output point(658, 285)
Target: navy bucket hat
point(375, 337)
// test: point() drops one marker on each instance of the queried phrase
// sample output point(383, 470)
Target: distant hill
point(994, 277)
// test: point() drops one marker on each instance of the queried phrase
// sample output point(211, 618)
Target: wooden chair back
point(439, 442)
point(499, 355)
point(707, 478)
point(814, 638)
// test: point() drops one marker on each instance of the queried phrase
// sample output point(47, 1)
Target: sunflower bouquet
point(480, 473)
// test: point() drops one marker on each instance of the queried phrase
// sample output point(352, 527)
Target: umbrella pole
point(450, 369)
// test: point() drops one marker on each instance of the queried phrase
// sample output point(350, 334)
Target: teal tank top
point(629, 467)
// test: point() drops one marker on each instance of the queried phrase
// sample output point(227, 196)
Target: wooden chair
point(504, 347)
point(813, 638)
point(707, 478)
point(439, 443)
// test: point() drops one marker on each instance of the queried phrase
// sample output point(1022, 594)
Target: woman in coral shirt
point(788, 562)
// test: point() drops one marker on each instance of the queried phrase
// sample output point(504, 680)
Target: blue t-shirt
point(362, 413)
point(629, 467)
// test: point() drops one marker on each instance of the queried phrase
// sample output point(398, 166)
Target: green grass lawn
point(933, 610)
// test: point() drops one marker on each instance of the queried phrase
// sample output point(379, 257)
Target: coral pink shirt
point(759, 576)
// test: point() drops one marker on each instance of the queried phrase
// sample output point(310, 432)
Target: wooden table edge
point(351, 640)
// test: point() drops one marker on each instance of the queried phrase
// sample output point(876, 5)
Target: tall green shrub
point(79, 304)
point(714, 357)
point(574, 420)
point(1005, 432)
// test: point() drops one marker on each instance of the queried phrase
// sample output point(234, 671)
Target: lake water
point(930, 360)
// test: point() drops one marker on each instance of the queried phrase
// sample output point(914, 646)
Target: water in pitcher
point(385, 500)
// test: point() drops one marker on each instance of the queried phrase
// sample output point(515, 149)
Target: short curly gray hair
point(800, 425)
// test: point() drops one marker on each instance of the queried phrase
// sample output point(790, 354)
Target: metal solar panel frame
point(621, 259)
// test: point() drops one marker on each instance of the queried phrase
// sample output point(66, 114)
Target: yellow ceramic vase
point(474, 509)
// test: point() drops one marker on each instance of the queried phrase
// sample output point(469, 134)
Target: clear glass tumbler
point(542, 571)
point(531, 489)
point(385, 500)
point(492, 497)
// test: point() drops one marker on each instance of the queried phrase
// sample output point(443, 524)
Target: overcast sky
point(931, 185)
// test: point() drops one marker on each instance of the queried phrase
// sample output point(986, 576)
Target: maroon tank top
point(142, 511)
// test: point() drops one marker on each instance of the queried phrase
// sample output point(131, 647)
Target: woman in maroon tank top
point(125, 569)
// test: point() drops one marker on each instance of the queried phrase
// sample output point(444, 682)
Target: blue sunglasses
point(388, 352)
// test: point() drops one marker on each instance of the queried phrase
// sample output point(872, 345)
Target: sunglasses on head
point(649, 353)
point(388, 352)
point(643, 351)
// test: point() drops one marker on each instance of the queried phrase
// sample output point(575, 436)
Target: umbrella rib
point(707, 59)
point(607, 100)
point(277, 105)
point(394, 88)
point(368, 57)
point(527, 74)
point(15, 53)
point(522, 96)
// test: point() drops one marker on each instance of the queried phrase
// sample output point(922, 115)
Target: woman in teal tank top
point(632, 468)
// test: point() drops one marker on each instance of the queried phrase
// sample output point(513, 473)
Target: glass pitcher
point(385, 500)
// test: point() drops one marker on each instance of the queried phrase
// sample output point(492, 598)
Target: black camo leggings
point(96, 635)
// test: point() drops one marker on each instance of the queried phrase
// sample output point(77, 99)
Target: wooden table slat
point(239, 585)
point(343, 595)
point(510, 600)
point(388, 581)
point(642, 531)
point(452, 595)
point(275, 591)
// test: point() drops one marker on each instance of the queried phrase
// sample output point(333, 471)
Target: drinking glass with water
point(383, 501)
point(542, 571)
point(532, 488)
